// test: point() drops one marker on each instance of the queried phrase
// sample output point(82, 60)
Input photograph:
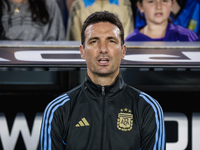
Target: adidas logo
point(83, 122)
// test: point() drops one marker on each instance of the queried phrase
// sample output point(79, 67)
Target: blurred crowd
point(61, 20)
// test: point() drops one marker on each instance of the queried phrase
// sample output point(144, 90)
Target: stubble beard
point(103, 71)
point(110, 72)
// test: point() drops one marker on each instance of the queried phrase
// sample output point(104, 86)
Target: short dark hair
point(102, 16)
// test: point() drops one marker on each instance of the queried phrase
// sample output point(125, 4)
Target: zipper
point(103, 91)
point(103, 116)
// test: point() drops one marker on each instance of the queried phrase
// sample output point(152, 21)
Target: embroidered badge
point(125, 120)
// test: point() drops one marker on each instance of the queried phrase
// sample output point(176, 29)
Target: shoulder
point(133, 94)
point(149, 107)
point(62, 100)
point(77, 5)
point(132, 90)
point(134, 36)
point(75, 91)
point(82, 3)
point(144, 101)
point(56, 103)
point(51, 3)
point(183, 34)
point(53, 8)
point(124, 2)
point(150, 101)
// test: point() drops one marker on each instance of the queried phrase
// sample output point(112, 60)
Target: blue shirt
point(173, 33)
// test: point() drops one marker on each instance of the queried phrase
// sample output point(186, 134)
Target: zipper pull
point(103, 90)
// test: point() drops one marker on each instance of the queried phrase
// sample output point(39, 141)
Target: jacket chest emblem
point(82, 123)
point(125, 120)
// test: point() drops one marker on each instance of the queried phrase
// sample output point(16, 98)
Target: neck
point(155, 31)
point(103, 80)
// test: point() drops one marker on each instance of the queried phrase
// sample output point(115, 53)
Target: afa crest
point(125, 120)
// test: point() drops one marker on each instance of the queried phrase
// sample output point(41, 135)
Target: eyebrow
point(108, 38)
point(93, 38)
point(111, 37)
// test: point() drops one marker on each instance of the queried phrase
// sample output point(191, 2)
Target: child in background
point(159, 27)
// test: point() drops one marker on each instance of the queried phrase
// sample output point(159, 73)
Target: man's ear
point(139, 5)
point(123, 51)
point(82, 51)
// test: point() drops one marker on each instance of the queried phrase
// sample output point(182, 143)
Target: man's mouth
point(103, 61)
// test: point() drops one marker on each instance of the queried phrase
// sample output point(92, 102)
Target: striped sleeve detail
point(45, 135)
point(160, 131)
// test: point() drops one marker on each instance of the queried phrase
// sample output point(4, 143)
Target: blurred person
point(188, 16)
point(65, 6)
point(159, 26)
point(81, 9)
point(64, 11)
point(31, 20)
point(69, 4)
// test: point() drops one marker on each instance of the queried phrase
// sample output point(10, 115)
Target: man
point(103, 113)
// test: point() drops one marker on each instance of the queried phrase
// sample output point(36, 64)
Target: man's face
point(103, 51)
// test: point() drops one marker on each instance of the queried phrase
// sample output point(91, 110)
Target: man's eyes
point(112, 41)
point(93, 41)
point(151, 1)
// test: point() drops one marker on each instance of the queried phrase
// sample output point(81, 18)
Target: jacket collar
point(95, 90)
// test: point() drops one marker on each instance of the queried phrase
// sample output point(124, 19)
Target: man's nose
point(103, 48)
point(158, 4)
